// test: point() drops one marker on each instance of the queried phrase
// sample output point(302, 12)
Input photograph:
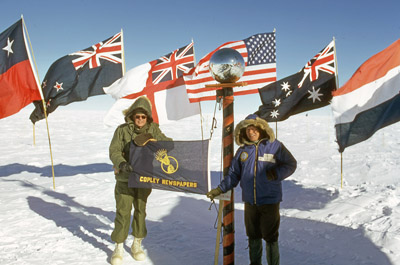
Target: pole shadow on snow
point(294, 195)
point(313, 242)
point(307, 240)
point(78, 223)
point(85, 222)
point(60, 170)
point(186, 235)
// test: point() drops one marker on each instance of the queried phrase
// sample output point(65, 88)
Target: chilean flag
point(19, 85)
point(370, 100)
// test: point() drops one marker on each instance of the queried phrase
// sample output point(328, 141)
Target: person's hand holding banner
point(214, 193)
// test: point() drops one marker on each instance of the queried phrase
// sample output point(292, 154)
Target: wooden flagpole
point(337, 86)
point(341, 170)
point(220, 209)
point(201, 113)
point(123, 54)
point(43, 103)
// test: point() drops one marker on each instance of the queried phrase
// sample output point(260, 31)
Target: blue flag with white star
point(308, 89)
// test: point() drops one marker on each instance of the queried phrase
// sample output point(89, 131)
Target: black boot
point(255, 251)
point(273, 253)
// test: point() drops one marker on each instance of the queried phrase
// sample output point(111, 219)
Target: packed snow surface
point(324, 221)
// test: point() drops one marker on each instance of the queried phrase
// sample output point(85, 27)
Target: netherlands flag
point(370, 100)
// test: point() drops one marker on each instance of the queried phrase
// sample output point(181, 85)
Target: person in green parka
point(139, 123)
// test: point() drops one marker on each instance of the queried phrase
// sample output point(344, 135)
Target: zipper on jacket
point(255, 173)
point(255, 170)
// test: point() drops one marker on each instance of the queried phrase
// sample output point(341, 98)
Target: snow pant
point(125, 197)
point(262, 222)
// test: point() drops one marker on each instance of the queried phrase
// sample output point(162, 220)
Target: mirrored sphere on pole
point(226, 65)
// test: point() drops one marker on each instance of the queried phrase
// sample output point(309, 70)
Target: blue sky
point(155, 28)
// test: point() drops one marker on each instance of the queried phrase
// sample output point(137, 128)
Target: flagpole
point(43, 103)
point(337, 85)
point(276, 123)
point(336, 67)
point(36, 74)
point(219, 227)
point(123, 53)
point(228, 206)
point(341, 170)
point(201, 113)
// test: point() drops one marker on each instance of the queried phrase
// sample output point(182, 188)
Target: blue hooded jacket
point(252, 161)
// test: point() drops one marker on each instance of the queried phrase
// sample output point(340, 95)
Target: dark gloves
point(271, 174)
point(143, 139)
point(125, 167)
point(214, 193)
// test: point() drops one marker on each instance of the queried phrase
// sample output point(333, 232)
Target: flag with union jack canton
point(80, 75)
point(308, 89)
point(161, 81)
point(259, 54)
point(173, 65)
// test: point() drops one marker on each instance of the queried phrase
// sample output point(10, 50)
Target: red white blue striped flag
point(370, 100)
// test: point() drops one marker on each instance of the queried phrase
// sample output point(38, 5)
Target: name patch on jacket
point(267, 158)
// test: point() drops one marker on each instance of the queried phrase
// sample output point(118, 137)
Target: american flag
point(110, 50)
point(259, 54)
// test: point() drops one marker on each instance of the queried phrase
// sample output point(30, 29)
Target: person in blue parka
point(260, 164)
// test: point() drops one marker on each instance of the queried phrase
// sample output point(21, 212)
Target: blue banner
point(175, 166)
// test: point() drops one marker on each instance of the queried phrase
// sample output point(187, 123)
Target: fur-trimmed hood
point(141, 105)
point(265, 131)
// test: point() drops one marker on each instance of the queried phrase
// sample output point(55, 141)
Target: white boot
point(116, 258)
point(137, 251)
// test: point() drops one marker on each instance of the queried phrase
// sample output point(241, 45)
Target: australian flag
point(175, 166)
point(308, 89)
point(80, 75)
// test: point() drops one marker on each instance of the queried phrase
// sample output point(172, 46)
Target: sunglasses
point(143, 117)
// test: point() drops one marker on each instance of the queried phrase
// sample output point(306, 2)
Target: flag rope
point(43, 103)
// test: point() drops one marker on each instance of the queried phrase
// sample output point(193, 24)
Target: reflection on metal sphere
point(226, 65)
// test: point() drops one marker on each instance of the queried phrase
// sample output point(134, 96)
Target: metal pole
point(228, 241)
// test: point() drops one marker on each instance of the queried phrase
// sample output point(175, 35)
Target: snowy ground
point(321, 223)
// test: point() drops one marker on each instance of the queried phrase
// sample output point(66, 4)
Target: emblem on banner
point(169, 164)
